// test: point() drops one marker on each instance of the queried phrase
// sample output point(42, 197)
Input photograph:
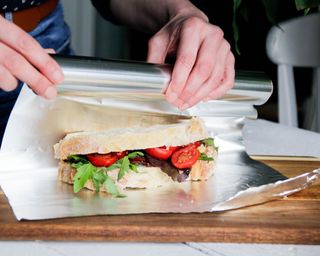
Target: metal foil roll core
point(94, 77)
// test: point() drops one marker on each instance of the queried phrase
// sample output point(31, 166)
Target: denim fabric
point(52, 32)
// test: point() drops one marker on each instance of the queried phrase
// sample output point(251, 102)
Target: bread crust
point(117, 140)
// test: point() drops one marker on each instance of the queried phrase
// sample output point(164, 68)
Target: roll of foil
point(128, 80)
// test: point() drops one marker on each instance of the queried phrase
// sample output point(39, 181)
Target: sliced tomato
point(162, 153)
point(103, 160)
point(174, 148)
point(185, 157)
point(197, 143)
point(121, 154)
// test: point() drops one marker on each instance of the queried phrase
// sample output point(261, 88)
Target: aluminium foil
point(28, 170)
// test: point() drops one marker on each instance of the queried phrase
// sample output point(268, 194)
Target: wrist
point(185, 9)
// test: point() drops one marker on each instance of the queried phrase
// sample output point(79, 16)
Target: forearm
point(151, 15)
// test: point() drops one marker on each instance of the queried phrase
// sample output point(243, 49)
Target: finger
point(186, 56)
point(215, 80)
point(7, 81)
point(205, 64)
point(17, 39)
point(219, 92)
point(50, 51)
point(228, 81)
point(218, 79)
point(158, 47)
point(21, 69)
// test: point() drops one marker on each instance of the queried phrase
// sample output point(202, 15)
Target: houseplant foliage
point(270, 6)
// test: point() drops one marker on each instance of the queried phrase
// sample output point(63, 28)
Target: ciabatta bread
point(146, 177)
point(117, 140)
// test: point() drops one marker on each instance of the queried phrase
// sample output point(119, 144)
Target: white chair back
point(296, 43)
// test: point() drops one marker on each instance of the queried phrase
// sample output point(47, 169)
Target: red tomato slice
point(185, 157)
point(121, 154)
point(196, 144)
point(162, 153)
point(103, 160)
point(174, 148)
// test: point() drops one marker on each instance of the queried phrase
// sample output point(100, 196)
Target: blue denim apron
point(52, 32)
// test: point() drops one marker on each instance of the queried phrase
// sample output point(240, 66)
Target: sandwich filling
point(108, 172)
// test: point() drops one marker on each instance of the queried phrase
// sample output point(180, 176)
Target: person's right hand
point(22, 58)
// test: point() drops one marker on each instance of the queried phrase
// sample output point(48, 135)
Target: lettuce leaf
point(99, 175)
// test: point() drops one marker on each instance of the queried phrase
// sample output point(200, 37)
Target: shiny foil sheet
point(28, 171)
point(121, 81)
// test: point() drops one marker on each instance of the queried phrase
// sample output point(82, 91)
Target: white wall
point(91, 35)
point(80, 16)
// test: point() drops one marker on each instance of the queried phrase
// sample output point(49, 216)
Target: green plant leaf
point(98, 175)
point(111, 187)
point(236, 5)
point(133, 167)
point(125, 166)
point(77, 165)
point(96, 184)
point(134, 154)
point(99, 178)
point(84, 173)
point(113, 166)
point(208, 142)
point(270, 8)
point(306, 11)
point(204, 157)
point(306, 4)
point(77, 159)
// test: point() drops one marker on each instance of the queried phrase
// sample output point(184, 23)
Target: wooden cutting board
point(295, 219)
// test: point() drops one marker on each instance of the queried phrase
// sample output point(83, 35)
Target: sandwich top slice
point(117, 159)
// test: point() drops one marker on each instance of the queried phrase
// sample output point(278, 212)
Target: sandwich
point(136, 158)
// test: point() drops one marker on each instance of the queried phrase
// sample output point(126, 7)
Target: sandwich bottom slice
point(136, 158)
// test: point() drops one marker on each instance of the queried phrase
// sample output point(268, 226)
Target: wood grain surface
point(295, 220)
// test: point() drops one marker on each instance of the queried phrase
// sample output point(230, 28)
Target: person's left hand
point(204, 66)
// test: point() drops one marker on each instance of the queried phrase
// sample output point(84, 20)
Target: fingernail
point(8, 87)
point(172, 96)
point(179, 102)
point(57, 76)
point(50, 93)
point(50, 50)
point(185, 106)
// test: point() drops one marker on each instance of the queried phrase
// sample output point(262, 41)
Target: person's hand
point(21, 57)
point(204, 66)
